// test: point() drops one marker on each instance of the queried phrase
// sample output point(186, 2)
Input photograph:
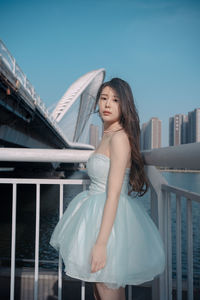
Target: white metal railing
point(161, 198)
point(189, 196)
point(38, 182)
point(182, 156)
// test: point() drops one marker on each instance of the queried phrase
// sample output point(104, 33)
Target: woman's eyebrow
point(107, 95)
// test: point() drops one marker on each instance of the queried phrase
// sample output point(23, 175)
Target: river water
point(49, 216)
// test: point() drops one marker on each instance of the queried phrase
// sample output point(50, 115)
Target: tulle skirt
point(135, 250)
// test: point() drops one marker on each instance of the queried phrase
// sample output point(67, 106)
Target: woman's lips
point(106, 113)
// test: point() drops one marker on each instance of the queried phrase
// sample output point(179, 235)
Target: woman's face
point(109, 105)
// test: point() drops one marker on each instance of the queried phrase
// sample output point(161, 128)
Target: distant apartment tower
point(94, 135)
point(150, 137)
point(194, 126)
point(184, 129)
point(178, 130)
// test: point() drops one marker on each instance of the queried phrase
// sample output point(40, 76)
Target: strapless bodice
point(98, 169)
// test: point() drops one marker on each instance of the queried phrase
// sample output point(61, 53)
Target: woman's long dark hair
point(130, 122)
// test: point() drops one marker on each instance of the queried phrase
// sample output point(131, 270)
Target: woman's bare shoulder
point(120, 135)
point(120, 138)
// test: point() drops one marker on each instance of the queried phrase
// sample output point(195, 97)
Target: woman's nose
point(107, 102)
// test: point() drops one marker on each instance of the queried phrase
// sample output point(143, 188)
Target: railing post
point(37, 232)
point(154, 207)
point(130, 292)
point(60, 258)
point(13, 244)
point(189, 250)
point(165, 240)
point(169, 247)
point(154, 215)
point(82, 290)
point(83, 282)
point(159, 287)
point(178, 250)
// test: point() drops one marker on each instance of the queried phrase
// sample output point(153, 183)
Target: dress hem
point(109, 283)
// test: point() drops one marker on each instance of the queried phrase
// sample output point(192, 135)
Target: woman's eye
point(116, 100)
point(103, 98)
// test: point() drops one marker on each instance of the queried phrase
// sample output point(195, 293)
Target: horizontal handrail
point(181, 192)
point(185, 156)
point(44, 155)
point(43, 181)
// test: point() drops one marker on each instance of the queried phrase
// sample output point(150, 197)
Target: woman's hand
point(98, 257)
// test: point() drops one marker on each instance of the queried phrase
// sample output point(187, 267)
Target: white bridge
point(26, 122)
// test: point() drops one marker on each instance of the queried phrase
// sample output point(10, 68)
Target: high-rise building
point(194, 126)
point(184, 129)
point(171, 131)
point(94, 135)
point(177, 129)
point(150, 137)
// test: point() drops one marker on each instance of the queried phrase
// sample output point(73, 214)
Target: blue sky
point(154, 45)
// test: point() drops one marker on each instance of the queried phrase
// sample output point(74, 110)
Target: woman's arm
point(119, 154)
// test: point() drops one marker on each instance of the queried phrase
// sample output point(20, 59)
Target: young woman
point(106, 236)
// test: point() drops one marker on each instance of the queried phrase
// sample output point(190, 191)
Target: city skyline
point(182, 129)
point(153, 45)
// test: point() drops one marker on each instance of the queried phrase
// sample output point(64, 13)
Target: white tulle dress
point(135, 251)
